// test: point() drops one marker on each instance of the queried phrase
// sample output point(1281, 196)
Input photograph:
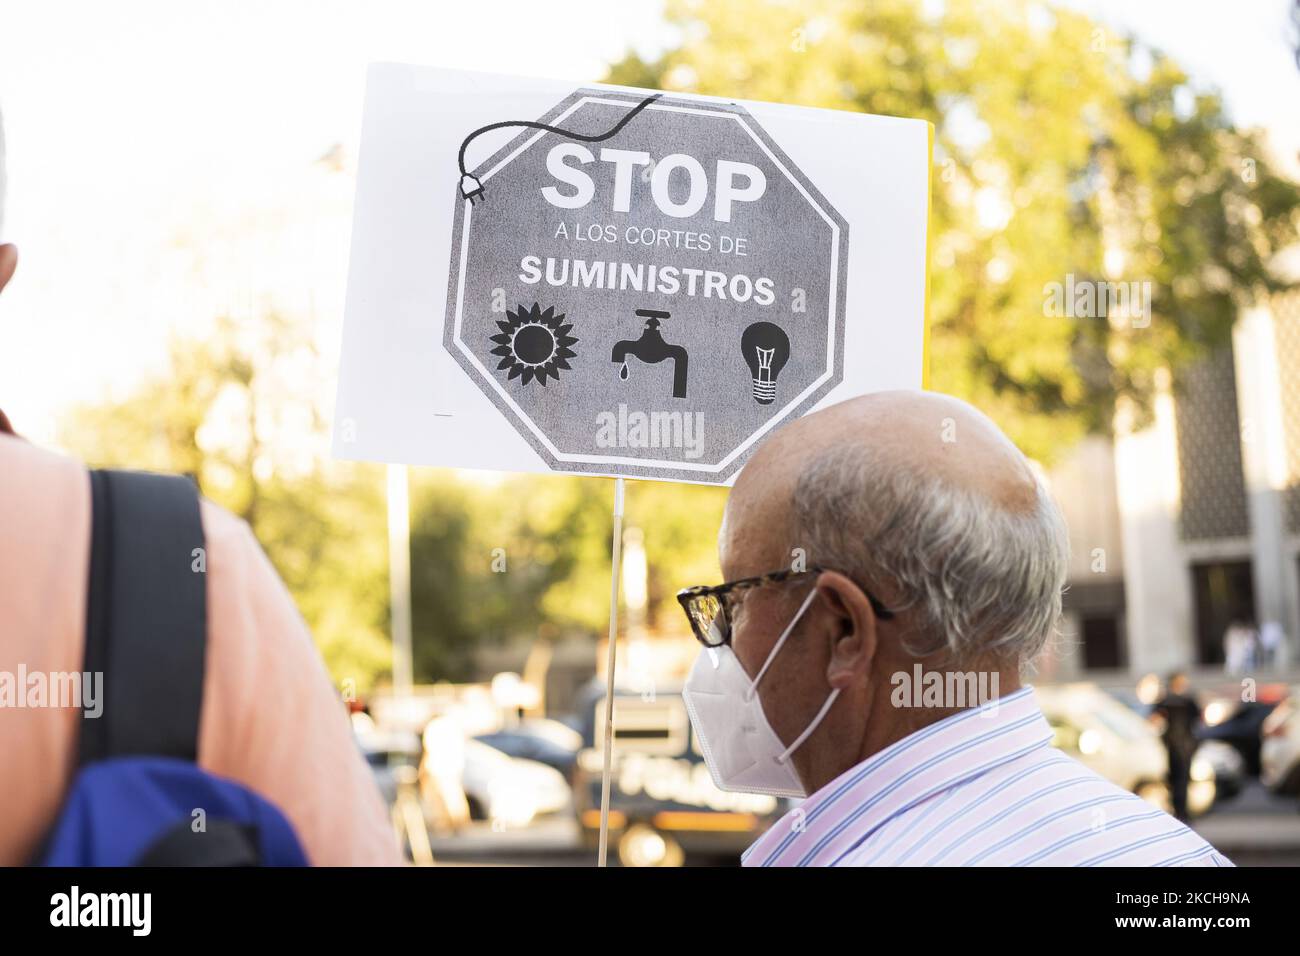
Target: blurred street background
point(181, 180)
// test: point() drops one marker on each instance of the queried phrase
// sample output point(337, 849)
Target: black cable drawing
point(470, 186)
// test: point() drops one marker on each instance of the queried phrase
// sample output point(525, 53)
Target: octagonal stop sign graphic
point(646, 286)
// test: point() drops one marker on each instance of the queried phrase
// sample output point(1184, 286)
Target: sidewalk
point(1255, 829)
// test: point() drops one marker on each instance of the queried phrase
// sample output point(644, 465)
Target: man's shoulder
point(226, 533)
point(243, 581)
point(45, 501)
point(35, 481)
point(1041, 809)
point(31, 466)
point(1096, 822)
point(44, 510)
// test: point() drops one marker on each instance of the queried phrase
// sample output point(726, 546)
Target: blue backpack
point(138, 797)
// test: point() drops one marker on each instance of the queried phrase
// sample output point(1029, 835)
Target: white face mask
point(741, 750)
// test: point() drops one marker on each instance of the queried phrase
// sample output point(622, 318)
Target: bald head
point(929, 434)
point(922, 497)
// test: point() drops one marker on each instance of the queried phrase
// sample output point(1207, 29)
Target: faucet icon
point(652, 349)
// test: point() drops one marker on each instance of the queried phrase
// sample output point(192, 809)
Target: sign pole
point(399, 575)
point(611, 653)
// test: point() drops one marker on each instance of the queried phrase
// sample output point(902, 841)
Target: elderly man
point(896, 539)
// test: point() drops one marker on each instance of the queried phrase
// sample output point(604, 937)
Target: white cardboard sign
point(600, 280)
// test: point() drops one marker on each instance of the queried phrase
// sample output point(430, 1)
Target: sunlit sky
point(165, 157)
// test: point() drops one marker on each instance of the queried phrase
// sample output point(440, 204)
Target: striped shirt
point(984, 787)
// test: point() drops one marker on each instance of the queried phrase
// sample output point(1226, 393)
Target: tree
point(1061, 150)
point(493, 558)
point(526, 557)
point(237, 411)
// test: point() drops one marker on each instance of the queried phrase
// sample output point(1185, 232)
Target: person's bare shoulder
point(44, 553)
point(44, 550)
point(271, 717)
point(32, 476)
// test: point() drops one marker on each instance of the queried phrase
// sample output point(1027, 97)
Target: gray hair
point(982, 580)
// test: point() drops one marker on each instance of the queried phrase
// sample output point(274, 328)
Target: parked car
point(1280, 747)
point(385, 753)
point(664, 805)
point(546, 741)
point(508, 790)
point(1238, 723)
point(1228, 765)
point(1119, 744)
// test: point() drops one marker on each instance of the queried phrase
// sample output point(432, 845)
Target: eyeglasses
point(709, 607)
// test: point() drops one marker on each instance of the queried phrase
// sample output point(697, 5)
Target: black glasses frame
point(704, 624)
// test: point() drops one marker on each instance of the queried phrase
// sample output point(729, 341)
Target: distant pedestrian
point(1238, 648)
point(1179, 714)
point(442, 772)
point(1271, 640)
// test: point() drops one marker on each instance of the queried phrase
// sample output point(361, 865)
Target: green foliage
point(236, 412)
point(495, 559)
point(1060, 149)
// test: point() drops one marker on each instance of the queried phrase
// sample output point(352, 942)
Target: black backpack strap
point(146, 616)
point(222, 843)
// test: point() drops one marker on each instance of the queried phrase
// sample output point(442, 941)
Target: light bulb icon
point(766, 349)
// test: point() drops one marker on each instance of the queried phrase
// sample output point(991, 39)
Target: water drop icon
point(622, 372)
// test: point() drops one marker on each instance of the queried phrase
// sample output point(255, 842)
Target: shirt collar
point(906, 772)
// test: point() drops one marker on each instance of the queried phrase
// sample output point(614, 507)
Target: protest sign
point(591, 279)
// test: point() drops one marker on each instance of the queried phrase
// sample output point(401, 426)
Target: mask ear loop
point(811, 727)
point(776, 648)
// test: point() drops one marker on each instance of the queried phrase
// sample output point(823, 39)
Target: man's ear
point(8, 263)
point(854, 640)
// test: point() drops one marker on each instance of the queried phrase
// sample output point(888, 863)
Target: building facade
point(1188, 521)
